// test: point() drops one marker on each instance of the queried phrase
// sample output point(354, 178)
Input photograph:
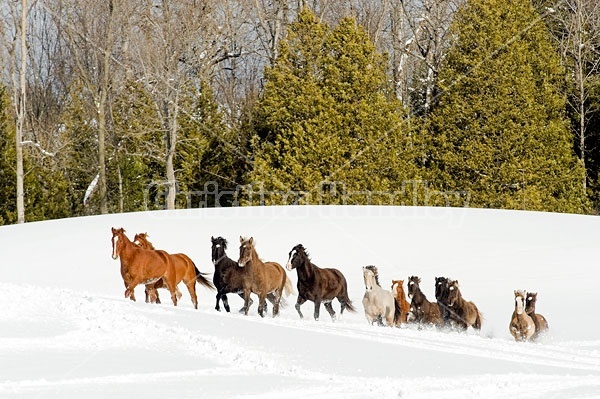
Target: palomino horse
point(423, 311)
point(185, 270)
point(541, 324)
point(142, 266)
point(261, 278)
point(400, 297)
point(228, 277)
point(318, 285)
point(521, 325)
point(463, 313)
point(379, 304)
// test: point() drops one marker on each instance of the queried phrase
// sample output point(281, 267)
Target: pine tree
point(325, 121)
point(499, 130)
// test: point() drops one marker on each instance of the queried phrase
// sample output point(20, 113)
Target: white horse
point(379, 304)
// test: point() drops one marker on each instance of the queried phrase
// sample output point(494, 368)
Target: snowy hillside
point(66, 331)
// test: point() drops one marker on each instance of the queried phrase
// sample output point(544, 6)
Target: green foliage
point(8, 211)
point(325, 121)
point(499, 130)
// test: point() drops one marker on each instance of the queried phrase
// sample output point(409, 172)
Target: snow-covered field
point(67, 332)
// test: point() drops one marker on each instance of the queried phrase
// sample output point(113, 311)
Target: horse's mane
point(300, 248)
point(375, 273)
point(221, 241)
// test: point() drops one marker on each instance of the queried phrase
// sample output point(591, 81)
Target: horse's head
point(118, 236)
point(296, 257)
point(453, 292)
point(441, 288)
point(141, 240)
point(371, 277)
point(219, 245)
point(397, 288)
point(520, 301)
point(246, 249)
point(530, 302)
point(413, 286)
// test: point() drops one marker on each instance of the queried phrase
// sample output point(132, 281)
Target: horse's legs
point(299, 303)
point(191, 286)
point(262, 304)
point(274, 299)
point(243, 308)
point(317, 308)
point(225, 303)
point(329, 308)
point(246, 302)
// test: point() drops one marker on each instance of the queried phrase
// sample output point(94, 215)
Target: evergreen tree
point(325, 121)
point(499, 130)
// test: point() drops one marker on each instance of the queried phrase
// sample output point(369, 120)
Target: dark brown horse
point(185, 270)
point(398, 292)
point(142, 266)
point(464, 313)
point(441, 296)
point(318, 285)
point(423, 311)
point(228, 277)
point(541, 324)
point(261, 278)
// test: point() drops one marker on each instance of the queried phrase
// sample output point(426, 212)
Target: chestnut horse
point(317, 284)
point(398, 292)
point(185, 270)
point(521, 325)
point(541, 324)
point(464, 313)
point(142, 266)
point(150, 291)
point(423, 311)
point(261, 278)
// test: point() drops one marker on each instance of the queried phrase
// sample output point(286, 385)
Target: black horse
point(228, 276)
point(441, 295)
point(423, 311)
point(318, 285)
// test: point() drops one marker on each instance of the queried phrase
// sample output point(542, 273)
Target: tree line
point(123, 106)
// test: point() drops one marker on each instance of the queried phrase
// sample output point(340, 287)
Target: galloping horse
point(150, 291)
point(228, 276)
point(398, 292)
point(142, 266)
point(261, 278)
point(423, 311)
point(521, 325)
point(317, 284)
point(441, 296)
point(379, 304)
point(463, 313)
point(185, 270)
point(541, 324)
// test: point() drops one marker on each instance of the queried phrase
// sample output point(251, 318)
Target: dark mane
point(221, 241)
point(375, 272)
point(300, 249)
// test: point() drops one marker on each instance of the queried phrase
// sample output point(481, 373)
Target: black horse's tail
point(201, 279)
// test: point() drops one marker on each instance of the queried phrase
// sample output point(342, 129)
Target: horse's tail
point(288, 288)
point(201, 279)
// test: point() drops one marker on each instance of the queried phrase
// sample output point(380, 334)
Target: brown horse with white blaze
point(185, 270)
point(142, 266)
point(400, 296)
point(261, 278)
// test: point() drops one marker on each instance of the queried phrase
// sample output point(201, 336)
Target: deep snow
point(66, 330)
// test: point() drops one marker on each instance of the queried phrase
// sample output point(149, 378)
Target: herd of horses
point(141, 263)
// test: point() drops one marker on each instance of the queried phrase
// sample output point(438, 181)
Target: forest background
point(122, 106)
